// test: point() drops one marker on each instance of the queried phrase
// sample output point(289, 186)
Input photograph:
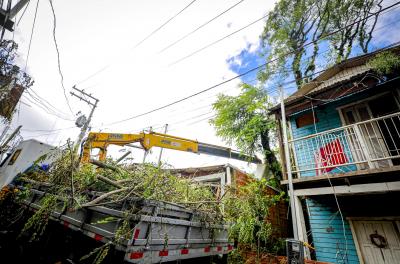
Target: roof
point(200, 171)
point(337, 74)
point(35, 141)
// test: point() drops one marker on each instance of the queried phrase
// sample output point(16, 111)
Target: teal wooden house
point(344, 143)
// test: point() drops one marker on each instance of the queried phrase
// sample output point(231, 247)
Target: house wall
point(327, 118)
point(326, 224)
point(327, 231)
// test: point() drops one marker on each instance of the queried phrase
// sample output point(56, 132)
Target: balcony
point(363, 146)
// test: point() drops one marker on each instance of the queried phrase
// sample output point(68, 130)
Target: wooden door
point(378, 241)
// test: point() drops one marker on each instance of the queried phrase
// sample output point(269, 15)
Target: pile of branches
point(113, 183)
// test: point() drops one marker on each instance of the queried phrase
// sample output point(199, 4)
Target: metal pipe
point(288, 168)
point(161, 150)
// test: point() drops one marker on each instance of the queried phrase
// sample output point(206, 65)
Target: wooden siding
point(328, 118)
point(327, 231)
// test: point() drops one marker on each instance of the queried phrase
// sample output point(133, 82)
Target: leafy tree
point(385, 63)
point(248, 209)
point(292, 24)
point(244, 121)
point(293, 27)
point(10, 77)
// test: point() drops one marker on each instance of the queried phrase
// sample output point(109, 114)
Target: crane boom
point(148, 140)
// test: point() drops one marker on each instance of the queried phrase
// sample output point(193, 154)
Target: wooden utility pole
point(90, 101)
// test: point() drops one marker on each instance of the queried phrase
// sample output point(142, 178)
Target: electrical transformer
point(294, 251)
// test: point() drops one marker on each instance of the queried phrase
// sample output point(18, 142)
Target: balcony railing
point(370, 144)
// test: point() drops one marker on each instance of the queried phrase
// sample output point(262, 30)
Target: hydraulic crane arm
point(149, 140)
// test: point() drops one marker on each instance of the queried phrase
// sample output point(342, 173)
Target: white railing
point(370, 144)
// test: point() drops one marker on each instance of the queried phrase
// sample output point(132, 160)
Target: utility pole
point(7, 15)
point(93, 103)
point(4, 146)
point(161, 150)
point(288, 167)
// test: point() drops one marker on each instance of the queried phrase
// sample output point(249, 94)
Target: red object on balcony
point(329, 156)
point(136, 255)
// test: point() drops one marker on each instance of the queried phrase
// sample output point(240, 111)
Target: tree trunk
point(272, 162)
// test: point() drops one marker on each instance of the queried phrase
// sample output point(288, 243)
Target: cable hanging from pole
point(58, 55)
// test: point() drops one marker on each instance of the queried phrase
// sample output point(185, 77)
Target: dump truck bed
point(157, 231)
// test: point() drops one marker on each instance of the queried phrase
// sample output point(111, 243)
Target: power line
point(47, 130)
point(253, 69)
point(194, 122)
point(164, 24)
point(45, 102)
point(198, 28)
point(270, 90)
point(58, 55)
point(23, 13)
point(225, 37)
point(32, 30)
point(45, 108)
point(275, 89)
point(140, 42)
point(49, 108)
point(217, 41)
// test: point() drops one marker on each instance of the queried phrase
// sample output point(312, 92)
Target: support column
point(302, 231)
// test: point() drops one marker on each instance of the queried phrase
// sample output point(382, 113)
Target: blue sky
point(387, 31)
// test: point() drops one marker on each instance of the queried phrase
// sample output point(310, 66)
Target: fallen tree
point(71, 186)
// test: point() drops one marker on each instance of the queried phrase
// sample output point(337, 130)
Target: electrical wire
point(334, 191)
point(215, 42)
point(58, 55)
point(32, 30)
point(270, 90)
point(139, 43)
point(164, 24)
point(47, 130)
point(45, 102)
point(274, 89)
point(49, 108)
point(23, 13)
point(175, 128)
point(199, 27)
point(229, 35)
point(44, 107)
point(255, 68)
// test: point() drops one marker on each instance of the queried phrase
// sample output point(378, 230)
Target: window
point(305, 120)
point(14, 156)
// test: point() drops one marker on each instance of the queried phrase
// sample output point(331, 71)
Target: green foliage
point(235, 257)
point(99, 254)
point(249, 215)
point(293, 24)
point(242, 119)
point(37, 224)
point(10, 212)
point(385, 63)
